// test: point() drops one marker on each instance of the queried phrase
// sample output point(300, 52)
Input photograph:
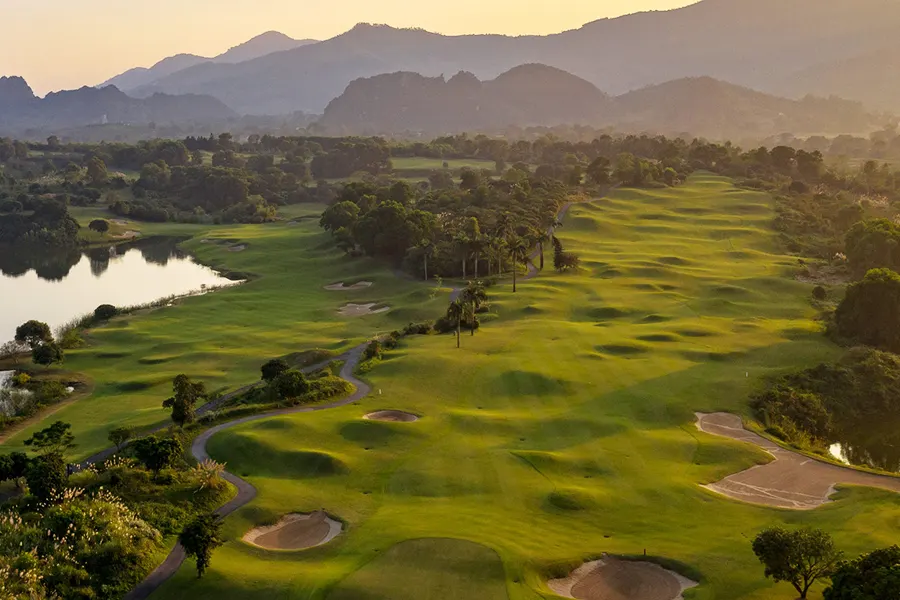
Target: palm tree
point(473, 296)
point(456, 310)
point(518, 252)
point(426, 247)
point(462, 243)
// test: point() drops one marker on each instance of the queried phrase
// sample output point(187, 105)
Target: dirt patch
point(238, 248)
point(341, 287)
point(361, 310)
point(393, 416)
point(295, 532)
point(128, 235)
point(792, 480)
point(616, 579)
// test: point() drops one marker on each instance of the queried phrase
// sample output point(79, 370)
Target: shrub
point(273, 368)
point(819, 293)
point(105, 312)
point(374, 350)
point(870, 311)
point(423, 328)
point(290, 384)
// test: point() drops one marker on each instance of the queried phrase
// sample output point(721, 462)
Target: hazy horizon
point(60, 45)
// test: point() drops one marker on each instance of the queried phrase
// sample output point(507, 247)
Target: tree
point(290, 384)
point(156, 453)
point(47, 354)
point(187, 393)
point(455, 312)
point(12, 349)
point(55, 439)
point(13, 467)
point(873, 244)
point(870, 311)
point(99, 225)
point(518, 253)
point(46, 476)
point(273, 369)
point(33, 333)
point(96, 171)
point(341, 215)
point(799, 557)
point(598, 171)
point(873, 576)
point(120, 435)
point(105, 312)
point(199, 538)
point(473, 295)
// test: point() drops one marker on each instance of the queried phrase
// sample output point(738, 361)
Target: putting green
point(565, 427)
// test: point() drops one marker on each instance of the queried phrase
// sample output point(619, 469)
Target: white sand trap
point(341, 287)
point(361, 310)
point(295, 532)
point(393, 416)
point(238, 248)
point(616, 579)
point(128, 235)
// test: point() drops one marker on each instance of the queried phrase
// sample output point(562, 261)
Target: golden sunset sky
point(64, 44)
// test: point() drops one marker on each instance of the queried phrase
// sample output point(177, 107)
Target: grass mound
point(623, 349)
point(570, 499)
point(428, 569)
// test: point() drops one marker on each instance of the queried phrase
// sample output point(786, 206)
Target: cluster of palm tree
point(466, 306)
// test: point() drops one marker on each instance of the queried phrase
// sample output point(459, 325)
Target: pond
point(59, 285)
point(875, 445)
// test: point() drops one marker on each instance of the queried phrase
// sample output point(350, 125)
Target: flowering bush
point(80, 546)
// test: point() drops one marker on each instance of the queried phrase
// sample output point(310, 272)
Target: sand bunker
point(792, 480)
point(295, 532)
point(361, 310)
point(616, 579)
point(341, 287)
point(127, 235)
point(394, 416)
point(238, 248)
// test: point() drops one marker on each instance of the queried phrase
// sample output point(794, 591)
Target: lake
point(874, 445)
point(58, 285)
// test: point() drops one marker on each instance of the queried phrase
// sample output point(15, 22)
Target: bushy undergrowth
point(810, 406)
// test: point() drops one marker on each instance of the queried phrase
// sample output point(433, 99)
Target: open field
point(564, 429)
point(222, 338)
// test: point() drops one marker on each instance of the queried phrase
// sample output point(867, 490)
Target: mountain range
point(261, 45)
point(21, 110)
point(539, 95)
point(785, 47)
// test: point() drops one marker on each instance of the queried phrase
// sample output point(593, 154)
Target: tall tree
point(455, 312)
point(186, 395)
point(473, 296)
point(518, 253)
point(873, 576)
point(33, 333)
point(800, 557)
point(200, 538)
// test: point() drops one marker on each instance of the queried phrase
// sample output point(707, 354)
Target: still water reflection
point(56, 286)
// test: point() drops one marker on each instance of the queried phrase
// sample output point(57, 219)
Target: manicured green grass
point(563, 429)
point(222, 338)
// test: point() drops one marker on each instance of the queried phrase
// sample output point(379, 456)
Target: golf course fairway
point(563, 430)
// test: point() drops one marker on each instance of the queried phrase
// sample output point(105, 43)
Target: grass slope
point(222, 338)
point(564, 428)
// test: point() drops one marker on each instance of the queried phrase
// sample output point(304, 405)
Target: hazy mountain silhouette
point(872, 78)
point(20, 109)
point(537, 95)
point(526, 95)
point(261, 45)
point(755, 43)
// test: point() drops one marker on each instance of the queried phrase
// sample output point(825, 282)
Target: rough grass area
point(222, 338)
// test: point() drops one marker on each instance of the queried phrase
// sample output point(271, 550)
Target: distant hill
point(537, 95)
point(20, 109)
point(754, 43)
point(707, 107)
point(872, 78)
point(526, 95)
point(261, 45)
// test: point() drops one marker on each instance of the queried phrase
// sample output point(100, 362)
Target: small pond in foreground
point(58, 285)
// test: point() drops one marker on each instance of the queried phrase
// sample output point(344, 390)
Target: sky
point(65, 44)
